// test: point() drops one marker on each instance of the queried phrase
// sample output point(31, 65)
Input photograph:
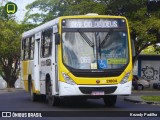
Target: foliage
point(10, 36)
point(54, 8)
point(150, 50)
point(85, 7)
point(48, 8)
point(9, 51)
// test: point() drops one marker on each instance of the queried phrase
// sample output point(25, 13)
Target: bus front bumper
point(89, 90)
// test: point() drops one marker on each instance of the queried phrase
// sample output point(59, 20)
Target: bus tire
point(110, 100)
point(33, 96)
point(52, 100)
point(43, 98)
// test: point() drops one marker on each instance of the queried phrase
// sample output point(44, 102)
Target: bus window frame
point(29, 48)
point(42, 47)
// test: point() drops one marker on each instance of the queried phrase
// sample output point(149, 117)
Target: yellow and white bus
point(83, 56)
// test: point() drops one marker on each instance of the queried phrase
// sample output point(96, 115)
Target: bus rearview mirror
point(57, 38)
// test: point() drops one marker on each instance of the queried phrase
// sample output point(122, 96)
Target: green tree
point(150, 50)
point(9, 51)
point(85, 7)
point(10, 36)
point(49, 9)
point(54, 8)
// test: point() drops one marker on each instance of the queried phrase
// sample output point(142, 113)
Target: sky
point(21, 7)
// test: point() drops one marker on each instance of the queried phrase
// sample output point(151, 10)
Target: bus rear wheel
point(110, 100)
point(33, 96)
point(52, 100)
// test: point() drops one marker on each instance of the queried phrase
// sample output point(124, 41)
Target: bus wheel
point(110, 100)
point(33, 96)
point(52, 100)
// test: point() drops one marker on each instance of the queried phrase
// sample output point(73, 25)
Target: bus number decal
point(85, 59)
point(111, 81)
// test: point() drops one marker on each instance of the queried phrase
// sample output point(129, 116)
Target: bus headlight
point(68, 79)
point(125, 78)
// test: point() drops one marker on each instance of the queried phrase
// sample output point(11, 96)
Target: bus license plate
point(97, 93)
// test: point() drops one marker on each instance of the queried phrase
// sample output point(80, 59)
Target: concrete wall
point(150, 70)
point(149, 67)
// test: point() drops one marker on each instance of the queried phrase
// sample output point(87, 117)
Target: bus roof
point(40, 28)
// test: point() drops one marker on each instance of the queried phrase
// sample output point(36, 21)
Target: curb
point(132, 100)
point(10, 90)
point(155, 103)
point(136, 91)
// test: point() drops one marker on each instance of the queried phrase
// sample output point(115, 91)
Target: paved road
point(19, 101)
point(22, 103)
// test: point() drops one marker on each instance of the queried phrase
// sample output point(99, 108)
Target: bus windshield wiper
point(106, 37)
point(86, 38)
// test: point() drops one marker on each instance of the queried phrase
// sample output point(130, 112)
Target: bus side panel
point(25, 66)
point(31, 73)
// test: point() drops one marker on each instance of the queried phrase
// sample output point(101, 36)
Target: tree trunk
point(11, 83)
point(10, 71)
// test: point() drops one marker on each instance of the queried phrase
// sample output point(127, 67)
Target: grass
point(151, 98)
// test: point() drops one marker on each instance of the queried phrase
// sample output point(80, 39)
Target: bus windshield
point(96, 49)
point(103, 50)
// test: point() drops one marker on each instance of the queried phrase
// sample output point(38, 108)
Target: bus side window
point(42, 44)
point(32, 47)
point(22, 44)
point(46, 44)
point(26, 49)
point(22, 49)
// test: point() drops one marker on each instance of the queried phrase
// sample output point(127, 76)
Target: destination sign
point(93, 23)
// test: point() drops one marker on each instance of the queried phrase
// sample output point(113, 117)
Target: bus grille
point(107, 90)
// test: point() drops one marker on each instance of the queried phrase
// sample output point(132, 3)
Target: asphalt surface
point(19, 101)
point(22, 102)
